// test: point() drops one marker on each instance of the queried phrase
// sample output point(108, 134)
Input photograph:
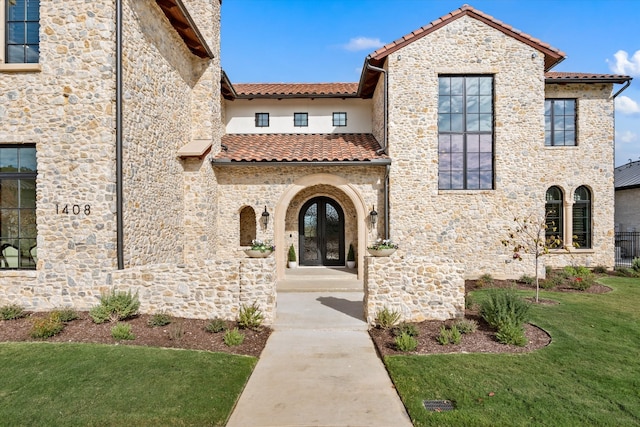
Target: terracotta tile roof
point(299, 148)
point(552, 55)
point(293, 90)
point(554, 76)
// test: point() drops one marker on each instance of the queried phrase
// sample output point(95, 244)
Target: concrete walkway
point(319, 367)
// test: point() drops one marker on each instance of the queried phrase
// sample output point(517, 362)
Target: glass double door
point(321, 231)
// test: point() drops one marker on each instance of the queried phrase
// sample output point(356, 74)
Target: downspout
point(384, 143)
point(119, 203)
point(622, 88)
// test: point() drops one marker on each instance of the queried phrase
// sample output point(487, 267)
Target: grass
point(97, 385)
point(588, 375)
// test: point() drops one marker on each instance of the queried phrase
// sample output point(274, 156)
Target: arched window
point(247, 226)
point(582, 217)
point(553, 211)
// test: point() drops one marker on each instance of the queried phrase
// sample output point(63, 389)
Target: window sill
point(444, 192)
point(23, 274)
point(20, 68)
point(571, 251)
point(561, 147)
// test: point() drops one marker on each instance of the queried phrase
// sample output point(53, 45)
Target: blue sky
point(328, 40)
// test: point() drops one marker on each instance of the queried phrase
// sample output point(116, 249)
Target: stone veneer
point(418, 287)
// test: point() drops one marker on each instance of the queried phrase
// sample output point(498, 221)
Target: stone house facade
point(142, 166)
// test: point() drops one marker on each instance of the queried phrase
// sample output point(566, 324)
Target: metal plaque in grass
point(438, 405)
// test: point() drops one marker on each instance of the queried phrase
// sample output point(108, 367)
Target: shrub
point(511, 334)
point(66, 315)
point(216, 325)
point(454, 335)
point(485, 280)
point(405, 342)
point(250, 317)
point(636, 265)
point(233, 337)
point(625, 272)
point(600, 269)
point(527, 280)
point(469, 301)
point(569, 271)
point(443, 336)
point(46, 327)
point(176, 331)
point(466, 326)
point(115, 306)
point(548, 270)
point(122, 331)
point(159, 319)
point(405, 328)
point(292, 254)
point(581, 284)
point(387, 319)
point(504, 307)
point(11, 312)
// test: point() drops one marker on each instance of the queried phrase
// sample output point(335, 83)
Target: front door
point(321, 231)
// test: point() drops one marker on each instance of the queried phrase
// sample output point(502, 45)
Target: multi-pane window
point(553, 211)
point(17, 206)
point(582, 217)
point(340, 119)
point(465, 133)
point(262, 120)
point(559, 122)
point(300, 119)
point(22, 31)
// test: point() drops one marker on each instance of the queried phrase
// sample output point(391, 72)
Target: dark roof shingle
point(627, 176)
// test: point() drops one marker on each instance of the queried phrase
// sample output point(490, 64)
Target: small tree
point(529, 235)
point(292, 254)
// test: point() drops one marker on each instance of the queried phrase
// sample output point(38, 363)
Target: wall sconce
point(265, 218)
point(373, 216)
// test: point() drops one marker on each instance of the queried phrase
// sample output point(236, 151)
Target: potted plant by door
point(351, 257)
point(292, 257)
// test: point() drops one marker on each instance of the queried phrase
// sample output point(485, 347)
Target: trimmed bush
point(504, 307)
point(387, 319)
point(11, 312)
point(216, 325)
point(405, 342)
point(233, 337)
point(115, 306)
point(159, 319)
point(46, 327)
point(122, 331)
point(250, 317)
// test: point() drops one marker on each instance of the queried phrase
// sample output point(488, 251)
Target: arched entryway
point(321, 232)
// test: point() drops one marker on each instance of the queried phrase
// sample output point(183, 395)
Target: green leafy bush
point(581, 283)
point(636, 265)
point(46, 327)
point(485, 280)
point(600, 269)
point(405, 328)
point(511, 334)
point(233, 337)
point(527, 280)
point(292, 254)
point(443, 336)
point(454, 335)
point(504, 307)
point(250, 317)
point(387, 319)
point(115, 306)
point(466, 326)
point(159, 319)
point(122, 331)
point(405, 342)
point(469, 301)
point(11, 312)
point(216, 325)
point(625, 272)
point(66, 315)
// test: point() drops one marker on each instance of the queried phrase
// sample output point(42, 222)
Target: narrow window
point(465, 133)
point(582, 217)
point(339, 119)
point(300, 119)
point(262, 120)
point(553, 213)
point(559, 122)
point(247, 226)
point(17, 206)
point(22, 31)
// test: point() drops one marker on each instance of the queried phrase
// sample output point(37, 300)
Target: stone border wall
point(419, 288)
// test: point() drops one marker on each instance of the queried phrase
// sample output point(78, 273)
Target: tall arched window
point(553, 210)
point(247, 226)
point(582, 217)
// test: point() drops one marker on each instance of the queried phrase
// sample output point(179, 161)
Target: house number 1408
point(73, 209)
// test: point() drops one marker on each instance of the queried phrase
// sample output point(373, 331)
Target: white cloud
point(626, 105)
point(624, 65)
point(626, 137)
point(362, 43)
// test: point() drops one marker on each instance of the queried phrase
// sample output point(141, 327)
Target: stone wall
point(628, 209)
point(418, 287)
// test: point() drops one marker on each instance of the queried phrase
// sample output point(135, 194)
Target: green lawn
point(44, 384)
point(589, 375)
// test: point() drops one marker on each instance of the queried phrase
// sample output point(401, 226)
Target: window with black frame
point(300, 119)
point(582, 217)
point(465, 133)
point(560, 122)
point(553, 213)
point(22, 31)
point(18, 207)
point(262, 120)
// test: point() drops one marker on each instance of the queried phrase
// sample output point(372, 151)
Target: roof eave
point(229, 162)
point(561, 80)
point(181, 21)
